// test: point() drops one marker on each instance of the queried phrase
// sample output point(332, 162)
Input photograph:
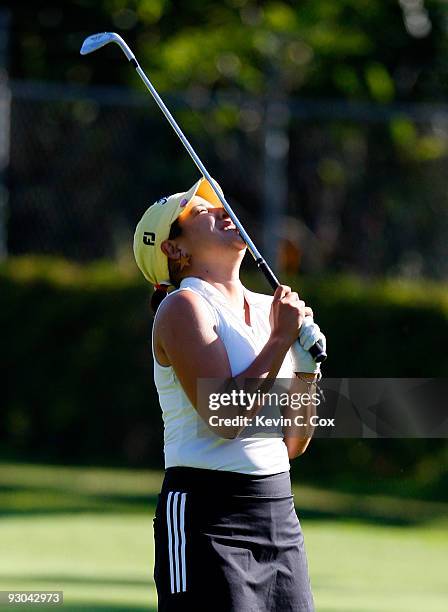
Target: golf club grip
point(317, 350)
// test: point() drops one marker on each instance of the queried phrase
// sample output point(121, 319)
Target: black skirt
point(229, 542)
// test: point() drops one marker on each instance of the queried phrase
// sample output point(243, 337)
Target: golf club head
point(96, 41)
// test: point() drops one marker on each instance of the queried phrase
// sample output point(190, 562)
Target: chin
point(239, 244)
point(232, 240)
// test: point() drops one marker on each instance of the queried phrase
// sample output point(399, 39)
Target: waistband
point(219, 483)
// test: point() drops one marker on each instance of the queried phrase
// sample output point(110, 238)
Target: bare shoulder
point(182, 314)
point(183, 325)
point(181, 318)
point(180, 304)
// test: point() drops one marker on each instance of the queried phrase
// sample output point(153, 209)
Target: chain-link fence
point(334, 186)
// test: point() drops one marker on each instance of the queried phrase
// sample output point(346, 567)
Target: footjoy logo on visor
point(149, 238)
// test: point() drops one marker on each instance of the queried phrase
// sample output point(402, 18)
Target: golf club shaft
point(202, 169)
point(316, 350)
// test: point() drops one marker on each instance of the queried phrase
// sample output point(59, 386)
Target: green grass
point(97, 560)
point(359, 568)
point(88, 532)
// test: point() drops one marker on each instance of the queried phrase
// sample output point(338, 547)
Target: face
point(206, 226)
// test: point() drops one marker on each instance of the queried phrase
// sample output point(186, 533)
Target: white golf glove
point(309, 334)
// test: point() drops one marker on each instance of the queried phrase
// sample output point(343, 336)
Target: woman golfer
point(227, 537)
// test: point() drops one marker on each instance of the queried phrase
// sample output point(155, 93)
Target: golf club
point(96, 41)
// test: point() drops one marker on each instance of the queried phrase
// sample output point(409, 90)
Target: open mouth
point(229, 227)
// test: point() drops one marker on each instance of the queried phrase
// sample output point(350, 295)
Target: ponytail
point(160, 292)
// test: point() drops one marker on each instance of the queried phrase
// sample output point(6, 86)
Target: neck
point(225, 278)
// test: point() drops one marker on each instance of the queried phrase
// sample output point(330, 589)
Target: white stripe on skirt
point(182, 541)
point(175, 520)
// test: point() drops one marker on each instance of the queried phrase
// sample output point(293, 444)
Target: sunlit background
point(326, 124)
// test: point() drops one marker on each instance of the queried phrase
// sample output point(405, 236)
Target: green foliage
point(79, 387)
point(299, 44)
point(380, 83)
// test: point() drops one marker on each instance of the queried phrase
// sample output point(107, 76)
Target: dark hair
point(160, 294)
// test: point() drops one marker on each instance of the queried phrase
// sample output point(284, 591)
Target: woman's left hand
point(308, 336)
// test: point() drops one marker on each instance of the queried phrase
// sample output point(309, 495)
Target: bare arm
point(298, 437)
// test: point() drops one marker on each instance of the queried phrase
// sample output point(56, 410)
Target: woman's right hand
point(287, 314)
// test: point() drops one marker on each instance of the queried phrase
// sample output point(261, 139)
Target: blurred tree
point(350, 48)
point(361, 185)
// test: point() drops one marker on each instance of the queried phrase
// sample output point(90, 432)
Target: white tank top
point(182, 444)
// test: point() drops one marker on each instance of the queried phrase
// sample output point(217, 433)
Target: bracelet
point(318, 377)
point(314, 382)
